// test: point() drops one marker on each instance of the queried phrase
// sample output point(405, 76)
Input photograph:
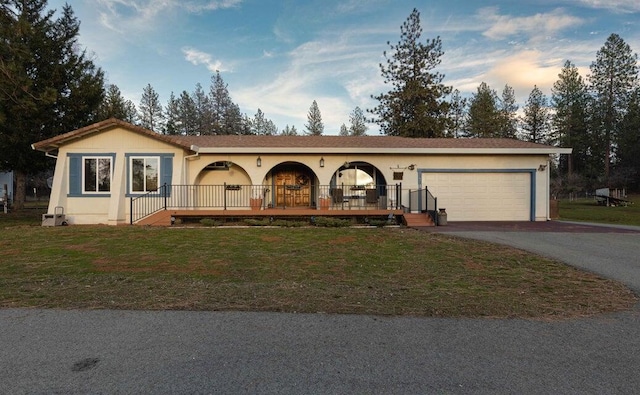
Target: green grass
point(587, 210)
point(383, 271)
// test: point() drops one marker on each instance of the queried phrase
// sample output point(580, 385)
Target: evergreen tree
point(508, 117)
point(614, 75)
point(151, 115)
point(314, 124)
point(457, 114)
point(358, 123)
point(483, 117)
point(187, 115)
point(415, 105)
point(171, 116)
point(344, 130)
point(570, 100)
point(289, 131)
point(204, 113)
point(115, 105)
point(48, 85)
point(535, 121)
point(226, 115)
point(628, 152)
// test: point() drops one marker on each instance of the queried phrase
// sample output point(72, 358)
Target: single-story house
point(113, 172)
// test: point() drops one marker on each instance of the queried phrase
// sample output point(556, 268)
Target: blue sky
point(279, 56)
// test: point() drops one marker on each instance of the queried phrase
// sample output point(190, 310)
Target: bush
point(332, 222)
point(210, 222)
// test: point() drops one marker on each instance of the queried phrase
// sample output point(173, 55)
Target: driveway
point(78, 352)
point(610, 251)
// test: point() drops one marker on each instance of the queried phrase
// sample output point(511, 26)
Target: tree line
point(49, 86)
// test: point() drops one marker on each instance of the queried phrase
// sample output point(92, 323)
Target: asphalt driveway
point(79, 352)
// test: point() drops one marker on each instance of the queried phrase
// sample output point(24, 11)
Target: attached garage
point(483, 195)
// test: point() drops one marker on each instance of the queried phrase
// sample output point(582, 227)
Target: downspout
point(195, 149)
point(548, 187)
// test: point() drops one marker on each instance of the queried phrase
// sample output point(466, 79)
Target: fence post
point(224, 194)
point(165, 195)
point(131, 211)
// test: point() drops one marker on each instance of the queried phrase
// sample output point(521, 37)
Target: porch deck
point(163, 217)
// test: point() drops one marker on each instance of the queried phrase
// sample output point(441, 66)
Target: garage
point(475, 195)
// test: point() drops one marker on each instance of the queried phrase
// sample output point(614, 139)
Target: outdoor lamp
point(259, 161)
point(322, 162)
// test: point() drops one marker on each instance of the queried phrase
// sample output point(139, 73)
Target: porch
point(231, 201)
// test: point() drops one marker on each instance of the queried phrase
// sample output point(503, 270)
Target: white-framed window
point(144, 173)
point(96, 174)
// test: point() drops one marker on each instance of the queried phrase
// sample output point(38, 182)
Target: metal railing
point(256, 197)
point(423, 201)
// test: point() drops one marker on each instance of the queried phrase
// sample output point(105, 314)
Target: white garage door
point(482, 196)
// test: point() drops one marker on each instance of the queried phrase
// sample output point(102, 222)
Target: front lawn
point(384, 271)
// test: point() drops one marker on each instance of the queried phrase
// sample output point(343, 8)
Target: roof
point(314, 144)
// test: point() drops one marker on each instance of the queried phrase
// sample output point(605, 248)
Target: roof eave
point(395, 151)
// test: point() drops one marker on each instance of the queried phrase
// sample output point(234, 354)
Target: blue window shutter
point(75, 175)
point(167, 172)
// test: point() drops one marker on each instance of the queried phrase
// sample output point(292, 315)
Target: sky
point(280, 56)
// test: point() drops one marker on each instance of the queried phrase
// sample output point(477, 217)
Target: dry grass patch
point(332, 270)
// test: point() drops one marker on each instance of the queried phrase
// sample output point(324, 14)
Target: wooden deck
point(163, 218)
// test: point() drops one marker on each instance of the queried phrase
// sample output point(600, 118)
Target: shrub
point(331, 222)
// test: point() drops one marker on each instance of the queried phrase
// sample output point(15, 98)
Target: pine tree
point(150, 109)
point(314, 124)
point(570, 100)
point(535, 121)
point(457, 115)
point(483, 117)
point(187, 115)
point(344, 130)
point(48, 85)
point(508, 114)
point(358, 123)
point(204, 112)
point(628, 152)
point(614, 75)
point(115, 105)
point(171, 116)
point(415, 106)
point(289, 131)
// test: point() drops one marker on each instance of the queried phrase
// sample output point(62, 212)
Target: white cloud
point(541, 24)
point(197, 58)
point(144, 14)
point(621, 6)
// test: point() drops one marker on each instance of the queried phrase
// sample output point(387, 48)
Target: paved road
point(78, 352)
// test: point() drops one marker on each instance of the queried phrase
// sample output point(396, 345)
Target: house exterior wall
point(112, 208)
point(187, 169)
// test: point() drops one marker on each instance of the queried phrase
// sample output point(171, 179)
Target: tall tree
point(570, 100)
point(508, 114)
point(358, 123)
point(314, 124)
point(204, 113)
point(415, 106)
point(289, 131)
point(262, 126)
point(535, 121)
point(48, 85)
point(457, 114)
point(115, 105)
point(483, 117)
point(187, 115)
point(171, 116)
point(226, 115)
point(628, 152)
point(151, 115)
point(344, 130)
point(614, 75)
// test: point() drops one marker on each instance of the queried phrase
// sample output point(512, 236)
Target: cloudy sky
point(279, 56)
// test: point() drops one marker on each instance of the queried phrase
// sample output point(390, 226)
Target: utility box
point(55, 219)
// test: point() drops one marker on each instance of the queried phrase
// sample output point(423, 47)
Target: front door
point(293, 188)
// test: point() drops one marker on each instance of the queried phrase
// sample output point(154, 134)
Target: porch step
point(161, 218)
point(418, 220)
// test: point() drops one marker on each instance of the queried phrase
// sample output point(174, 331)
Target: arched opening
point(360, 184)
point(293, 185)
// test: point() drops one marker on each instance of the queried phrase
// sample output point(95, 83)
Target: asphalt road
point(80, 352)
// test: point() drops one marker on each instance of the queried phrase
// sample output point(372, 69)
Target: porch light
point(412, 167)
point(259, 162)
point(322, 162)
point(542, 167)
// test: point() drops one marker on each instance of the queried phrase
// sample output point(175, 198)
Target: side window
point(90, 175)
point(148, 172)
point(96, 175)
point(145, 172)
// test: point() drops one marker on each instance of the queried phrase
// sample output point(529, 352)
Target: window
point(96, 175)
point(90, 174)
point(145, 172)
